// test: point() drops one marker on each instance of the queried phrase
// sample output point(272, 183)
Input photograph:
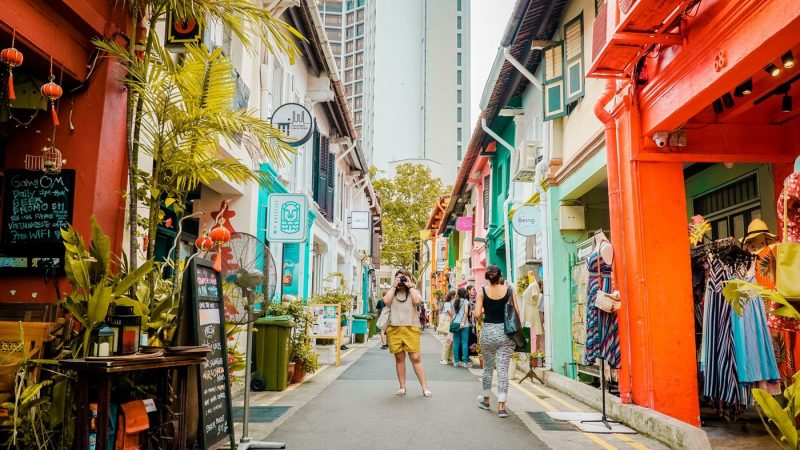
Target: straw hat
point(758, 227)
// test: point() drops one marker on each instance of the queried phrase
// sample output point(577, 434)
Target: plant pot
point(290, 371)
point(299, 372)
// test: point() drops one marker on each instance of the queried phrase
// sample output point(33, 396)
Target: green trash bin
point(271, 353)
point(370, 324)
point(373, 319)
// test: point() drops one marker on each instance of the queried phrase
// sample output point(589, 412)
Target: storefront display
point(602, 329)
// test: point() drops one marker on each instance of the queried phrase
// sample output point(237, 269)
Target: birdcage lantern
point(50, 161)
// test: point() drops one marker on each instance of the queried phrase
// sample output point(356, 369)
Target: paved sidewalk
point(354, 407)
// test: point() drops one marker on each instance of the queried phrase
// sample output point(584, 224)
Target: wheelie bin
point(271, 353)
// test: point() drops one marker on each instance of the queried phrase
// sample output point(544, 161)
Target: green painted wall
point(501, 176)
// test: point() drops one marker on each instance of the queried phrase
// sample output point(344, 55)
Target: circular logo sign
point(295, 122)
point(527, 220)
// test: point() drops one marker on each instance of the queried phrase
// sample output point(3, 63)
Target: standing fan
point(249, 273)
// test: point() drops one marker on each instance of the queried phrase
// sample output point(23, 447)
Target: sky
point(488, 23)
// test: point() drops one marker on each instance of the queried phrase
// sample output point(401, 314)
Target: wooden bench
point(36, 335)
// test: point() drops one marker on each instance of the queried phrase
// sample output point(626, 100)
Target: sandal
point(427, 393)
point(482, 404)
point(401, 391)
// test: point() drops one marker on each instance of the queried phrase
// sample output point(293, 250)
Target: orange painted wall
point(95, 148)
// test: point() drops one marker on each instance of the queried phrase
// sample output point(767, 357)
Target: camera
point(403, 279)
point(661, 138)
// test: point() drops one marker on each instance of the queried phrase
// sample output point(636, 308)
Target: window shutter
point(321, 193)
point(316, 166)
point(331, 187)
point(487, 200)
point(573, 56)
point(553, 83)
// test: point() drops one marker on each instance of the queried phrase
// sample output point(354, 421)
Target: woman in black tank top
point(496, 347)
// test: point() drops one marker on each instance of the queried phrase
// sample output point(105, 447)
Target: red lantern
point(53, 92)
point(204, 242)
point(13, 58)
point(220, 234)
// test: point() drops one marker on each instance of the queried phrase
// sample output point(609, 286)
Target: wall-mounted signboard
point(287, 218)
point(294, 121)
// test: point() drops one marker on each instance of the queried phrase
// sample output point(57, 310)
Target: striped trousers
point(496, 349)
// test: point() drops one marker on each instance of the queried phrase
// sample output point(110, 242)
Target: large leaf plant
point(780, 414)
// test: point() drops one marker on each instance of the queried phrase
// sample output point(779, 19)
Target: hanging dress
point(720, 380)
point(602, 329)
point(755, 355)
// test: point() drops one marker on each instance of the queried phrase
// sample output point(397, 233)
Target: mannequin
point(607, 252)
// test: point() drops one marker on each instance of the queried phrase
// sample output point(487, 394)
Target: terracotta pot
point(299, 373)
point(291, 371)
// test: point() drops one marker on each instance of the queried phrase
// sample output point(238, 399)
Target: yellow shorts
point(403, 339)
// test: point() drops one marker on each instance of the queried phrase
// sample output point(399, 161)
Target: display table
point(101, 372)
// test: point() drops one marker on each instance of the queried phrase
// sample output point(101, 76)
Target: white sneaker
point(444, 363)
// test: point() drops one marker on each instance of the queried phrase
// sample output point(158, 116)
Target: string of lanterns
point(51, 90)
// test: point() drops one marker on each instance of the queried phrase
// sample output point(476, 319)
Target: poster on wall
point(325, 324)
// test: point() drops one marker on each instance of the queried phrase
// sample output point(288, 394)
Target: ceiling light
point(773, 70)
point(717, 105)
point(786, 104)
point(746, 88)
point(727, 100)
point(787, 60)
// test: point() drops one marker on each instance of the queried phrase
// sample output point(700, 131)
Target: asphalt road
point(360, 410)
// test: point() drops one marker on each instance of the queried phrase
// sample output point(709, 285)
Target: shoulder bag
point(512, 325)
point(384, 318)
point(609, 302)
point(787, 268)
point(444, 323)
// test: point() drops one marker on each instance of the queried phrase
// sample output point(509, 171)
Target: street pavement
point(355, 407)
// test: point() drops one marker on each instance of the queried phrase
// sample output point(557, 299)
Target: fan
point(249, 273)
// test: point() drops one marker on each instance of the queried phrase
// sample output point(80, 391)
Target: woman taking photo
point(496, 347)
point(403, 332)
point(460, 316)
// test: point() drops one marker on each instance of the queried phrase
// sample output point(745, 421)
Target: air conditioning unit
point(571, 218)
point(527, 157)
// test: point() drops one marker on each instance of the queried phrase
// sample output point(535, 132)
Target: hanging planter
point(13, 58)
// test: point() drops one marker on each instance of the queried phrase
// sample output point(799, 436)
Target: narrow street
point(354, 407)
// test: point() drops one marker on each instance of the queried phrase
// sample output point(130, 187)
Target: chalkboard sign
point(203, 301)
point(36, 206)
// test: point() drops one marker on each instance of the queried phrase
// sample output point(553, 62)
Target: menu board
point(204, 301)
point(36, 206)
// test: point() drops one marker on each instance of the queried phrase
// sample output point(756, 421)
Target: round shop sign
point(295, 122)
point(527, 220)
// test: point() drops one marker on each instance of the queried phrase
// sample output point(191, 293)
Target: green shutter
point(573, 57)
point(553, 82)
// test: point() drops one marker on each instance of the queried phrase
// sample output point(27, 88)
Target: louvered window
point(553, 82)
point(331, 187)
point(487, 201)
point(573, 57)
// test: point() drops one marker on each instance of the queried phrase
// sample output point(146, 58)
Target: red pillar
point(659, 322)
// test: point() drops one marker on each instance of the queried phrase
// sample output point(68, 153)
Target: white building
point(422, 79)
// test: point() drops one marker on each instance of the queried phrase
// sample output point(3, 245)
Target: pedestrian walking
point(444, 328)
point(496, 347)
point(403, 332)
point(423, 316)
point(379, 307)
point(460, 328)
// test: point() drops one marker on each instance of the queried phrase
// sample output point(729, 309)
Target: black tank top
point(494, 309)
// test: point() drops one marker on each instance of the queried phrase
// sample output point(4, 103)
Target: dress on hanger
point(600, 326)
point(755, 355)
point(530, 308)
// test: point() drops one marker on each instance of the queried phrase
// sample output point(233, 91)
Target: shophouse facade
point(709, 113)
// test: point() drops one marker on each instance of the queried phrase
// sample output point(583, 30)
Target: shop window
point(731, 207)
point(573, 59)
point(553, 81)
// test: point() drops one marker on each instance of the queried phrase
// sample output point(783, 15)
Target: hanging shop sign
point(287, 218)
point(182, 32)
point(527, 220)
point(359, 220)
point(36, 206)
point(464, 223)
point(294, 121)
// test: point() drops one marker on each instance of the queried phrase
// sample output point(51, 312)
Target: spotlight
point(787, 60)
point(717, 105)
point(786, 104)
point(746, 88)
point(727, 100)
point(773, 70)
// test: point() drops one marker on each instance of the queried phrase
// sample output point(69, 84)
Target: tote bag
point(383, 320)
point(787, 270)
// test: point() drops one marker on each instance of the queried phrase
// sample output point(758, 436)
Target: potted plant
point(305, 360)
point(476, 348)
point(537, 358)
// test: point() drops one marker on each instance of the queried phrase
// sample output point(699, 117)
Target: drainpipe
point(615, 210)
